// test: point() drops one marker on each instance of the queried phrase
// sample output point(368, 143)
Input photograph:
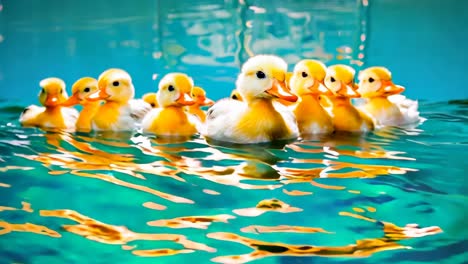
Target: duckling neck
point(309, 109)
point(196, 110)
point(263, 118)
point(86, 115)
point(339, 101)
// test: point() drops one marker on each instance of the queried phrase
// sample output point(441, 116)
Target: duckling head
point(235, 95)
point(114, 85)
point(263, 76)
point(199, 95)
point(81, 89)
point(377, 81)
point(174, 90)
point(151, 98)
point(53, 92)
point(340, 81)
point(308, 77)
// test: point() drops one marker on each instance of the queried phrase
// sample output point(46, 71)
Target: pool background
point(418, 177)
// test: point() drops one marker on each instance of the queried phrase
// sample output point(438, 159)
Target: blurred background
point(423, 42)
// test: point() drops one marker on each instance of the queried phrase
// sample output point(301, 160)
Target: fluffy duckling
point(340, 81)
point(171, 119)
point(376, 86)
point(257, 118)
point(307, 83)
point(199, 96)
point(81, 89)
point(151, 98)
point(53, 114)
point(119, 111)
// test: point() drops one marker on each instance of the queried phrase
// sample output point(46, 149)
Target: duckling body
point(52, 115)
point(307, 83)
point(345, 117)
point(257, 118)
point(171, 119)
point(383, 100)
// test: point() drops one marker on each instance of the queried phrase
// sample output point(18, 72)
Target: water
point(129, 198)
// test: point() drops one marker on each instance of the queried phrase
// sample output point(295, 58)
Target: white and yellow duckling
point(119, 111)
point(340, 81)
point(81, 89)
point(383, 101)
point(171, 119)
point(257, 118)
point(199, 96)
point(307, 83)
point(53, 114)
point(151, 99)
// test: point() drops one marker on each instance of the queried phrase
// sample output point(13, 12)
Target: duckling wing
point(29, 114)
point(139, 109)
point(221, 119)
point(70, 115)
point(408, 108)
point(288, 116)
point(147, 120)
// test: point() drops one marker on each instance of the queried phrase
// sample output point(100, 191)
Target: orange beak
point(98, 95)
point(72, 100)
point(278, 90)
point(51, 100)
point(348, 91)
point(203, 101)
point(388, 88)
point(185, 99)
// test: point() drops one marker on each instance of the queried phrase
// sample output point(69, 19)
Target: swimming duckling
point(257, 118)
point(340, 81)
point(171, 119)
point(307, 83)
point(199, 96)
point(53, 114)
point(384, 103)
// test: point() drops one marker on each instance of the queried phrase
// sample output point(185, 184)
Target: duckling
point(340, 81)
point(199, 96)
point(119, 111)
point(307, 83)
point(376, 86)
point(81, 89)
point(257, 118)
point(151, 98)
point(171, 119)
point(53, 114)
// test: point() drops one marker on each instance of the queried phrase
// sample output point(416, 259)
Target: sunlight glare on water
point(396, 194)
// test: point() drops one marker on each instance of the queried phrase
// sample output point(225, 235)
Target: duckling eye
point(86, 90)
point(116, 83)
point(260, 75)
point(332, 79)
point(153, 105)
point(371, 80)
point(234, 97)
point(42, 90)
point(170, 88)
point(61, 91)
point(304, 75)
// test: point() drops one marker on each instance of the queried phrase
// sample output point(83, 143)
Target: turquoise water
point(395, 195)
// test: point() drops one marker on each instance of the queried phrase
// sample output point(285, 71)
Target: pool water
point(393, 195)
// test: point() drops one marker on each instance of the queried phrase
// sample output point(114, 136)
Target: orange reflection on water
point(282, 228)
point(25, 207)
point(154, 206)
point(6, 228)
point(269, 205)
point(296, 192)
point(200, 222)
point(111, 234)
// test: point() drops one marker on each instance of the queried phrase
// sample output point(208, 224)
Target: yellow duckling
point(171, 119)
point(81, 89)
point(199, 96)
point(53, 114)
point(376, 86)
point(307, 83)
point(257, 118)
point(119, 111)
point(340, 81)
point(151, 98)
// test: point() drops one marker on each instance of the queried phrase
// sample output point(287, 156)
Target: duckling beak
point(185, 99)
point(51, 100)
point(72, 100)
point(278, 90)
point(203, 101)
point(348, 91)
point(98, 95)
point(390, 89)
